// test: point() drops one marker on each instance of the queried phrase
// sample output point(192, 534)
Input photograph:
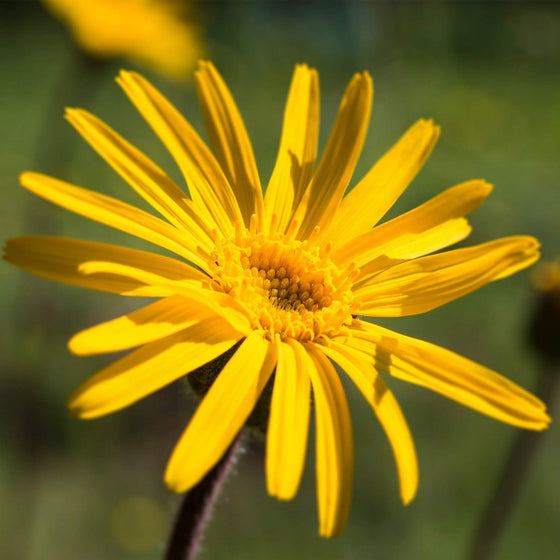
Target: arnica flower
point(151, 32)
point(286, 276)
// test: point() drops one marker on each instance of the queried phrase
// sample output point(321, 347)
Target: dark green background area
point(488, 73)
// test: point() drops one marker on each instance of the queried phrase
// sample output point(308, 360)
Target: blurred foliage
point(487, 72)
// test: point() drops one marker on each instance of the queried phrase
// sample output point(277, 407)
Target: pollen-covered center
point(289, 287)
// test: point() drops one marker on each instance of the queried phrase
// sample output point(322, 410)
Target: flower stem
point(516, 470)
point(197, 505)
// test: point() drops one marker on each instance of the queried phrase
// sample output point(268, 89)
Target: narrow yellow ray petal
point(153, 322)
point(144, 176)
point(221, 303)
point(286, 440)
point(230, 141)
point(411, 235)
point(423, 284)
point(113, 213)
point(383, 183)
point(151, 367)
point(297, 153)
point(449, 374)
point(222, 412)
point(324, 193)
point(359, 368)
point(60, 259)
point(334, 441)
point(209, 188)
point(373, 258)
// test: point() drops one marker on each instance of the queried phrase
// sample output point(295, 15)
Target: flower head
point(286, 275)
point(546, 278)
point(151, 32)
point(544, 330)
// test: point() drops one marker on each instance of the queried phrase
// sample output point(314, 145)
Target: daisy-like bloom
point(286, 275)
point(151, 32)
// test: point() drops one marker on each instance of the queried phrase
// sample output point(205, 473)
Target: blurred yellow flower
point(546, 278)
point(286, 275)
point(544, 332)
point(151, 32)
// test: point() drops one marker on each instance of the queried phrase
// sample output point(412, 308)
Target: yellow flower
point(287, 275)
point(147, 31)
point(546, 278)
point(544, 330)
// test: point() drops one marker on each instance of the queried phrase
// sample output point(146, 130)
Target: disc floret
point(289, 287)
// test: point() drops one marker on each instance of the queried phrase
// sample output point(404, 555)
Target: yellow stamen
point(290, 287)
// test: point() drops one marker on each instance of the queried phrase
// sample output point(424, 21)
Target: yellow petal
point(372, 258)
point(449, 374)
point(229, 140)
point(360, 369)
point(153, 322)
point(334, 441)
point(113, 213)
point(384, 183)
point(295, 162)
point(60, 259)
point(222, 304)
point(222, 412)
point(286, 440)
point(144, 176)
point(151, 367)
point(429, 227)
point(153, 33)
point(324, 193)
point(423, 284)
point(209, 188)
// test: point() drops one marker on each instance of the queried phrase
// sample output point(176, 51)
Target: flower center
point(289, 287)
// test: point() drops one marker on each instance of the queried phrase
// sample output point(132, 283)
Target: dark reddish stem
point(197, 506)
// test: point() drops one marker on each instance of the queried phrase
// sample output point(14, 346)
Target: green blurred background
point(489, 73)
